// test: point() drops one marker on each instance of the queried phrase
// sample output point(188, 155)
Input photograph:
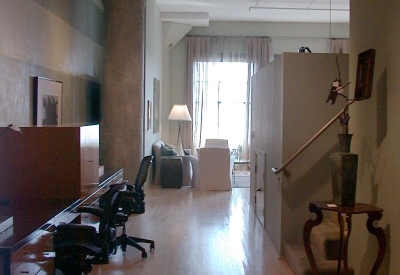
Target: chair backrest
point(142, 174)
point(216, 142)
point(111, 207)
point(73, 243)
point(214, 168)
point(132, 200)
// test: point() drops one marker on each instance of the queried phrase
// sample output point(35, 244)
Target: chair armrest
point(98, 212)
point(123, 181)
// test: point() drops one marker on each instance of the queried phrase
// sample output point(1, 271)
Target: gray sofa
point(190, 165)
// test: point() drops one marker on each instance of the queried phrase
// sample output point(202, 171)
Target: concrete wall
point(375, 125)
point(56, 40)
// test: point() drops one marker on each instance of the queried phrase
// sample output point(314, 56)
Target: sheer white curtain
point(340, 45)
point(205, 51)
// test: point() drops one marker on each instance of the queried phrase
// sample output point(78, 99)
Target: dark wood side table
point(374, 214)
point(171, 172)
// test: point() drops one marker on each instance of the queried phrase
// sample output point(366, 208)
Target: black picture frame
point(47, 102)
point(365, 73)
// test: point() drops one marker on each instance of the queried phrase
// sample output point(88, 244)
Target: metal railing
point(283, 166)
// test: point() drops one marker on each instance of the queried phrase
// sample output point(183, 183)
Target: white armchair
point(214, 168)
point(219, 142)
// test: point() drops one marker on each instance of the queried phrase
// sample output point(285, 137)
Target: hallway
point(199, 233)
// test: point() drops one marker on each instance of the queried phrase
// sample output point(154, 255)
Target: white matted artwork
point(148, 115)
point(156, 107)
point(47, 102)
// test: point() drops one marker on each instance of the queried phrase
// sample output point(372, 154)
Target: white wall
point(289, 107)
point(285, 37)
point(375, 125)
point(53, 41)
point(153, 66)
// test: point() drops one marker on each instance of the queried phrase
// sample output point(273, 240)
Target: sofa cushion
point(168, 151)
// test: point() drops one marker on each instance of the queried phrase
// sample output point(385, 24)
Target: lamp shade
point(179, 112)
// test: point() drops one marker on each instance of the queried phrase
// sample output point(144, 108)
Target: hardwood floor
point(199, 233)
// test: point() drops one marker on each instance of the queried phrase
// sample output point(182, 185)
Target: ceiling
point(200, 12)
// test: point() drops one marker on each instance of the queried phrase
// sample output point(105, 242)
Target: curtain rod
point(300, 9)
point(246, 36)
point(275, 36)
point(307, 37)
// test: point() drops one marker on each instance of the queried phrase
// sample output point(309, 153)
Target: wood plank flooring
point(199, 233)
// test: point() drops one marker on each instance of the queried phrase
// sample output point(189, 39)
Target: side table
point(374, 214)
point(171, 172)
point(238, 161)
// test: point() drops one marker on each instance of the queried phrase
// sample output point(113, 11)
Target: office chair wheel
point(144, 255)
point(152, 246)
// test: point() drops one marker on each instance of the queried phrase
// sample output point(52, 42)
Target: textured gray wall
point(60, 40)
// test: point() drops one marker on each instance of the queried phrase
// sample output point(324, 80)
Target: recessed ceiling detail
point(196, 19)
point(315, 11)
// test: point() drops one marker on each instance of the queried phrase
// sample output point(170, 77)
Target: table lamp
point(180, 113)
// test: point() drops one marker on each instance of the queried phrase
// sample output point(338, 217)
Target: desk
point(238, 161)
point(26, 247)
point(374, 214)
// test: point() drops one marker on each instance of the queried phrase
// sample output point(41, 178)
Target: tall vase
point(344, 173)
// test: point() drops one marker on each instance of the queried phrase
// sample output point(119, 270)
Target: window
point(224, 101)
point(218, 68)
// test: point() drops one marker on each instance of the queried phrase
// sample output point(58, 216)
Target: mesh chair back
point(111, 208)
point(142, 174)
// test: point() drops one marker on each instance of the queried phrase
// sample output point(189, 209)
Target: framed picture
point(47, 102)
point(365, 73)
point(156, 109)
point(149, 115)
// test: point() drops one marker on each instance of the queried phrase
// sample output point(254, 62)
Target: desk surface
point(31, 216)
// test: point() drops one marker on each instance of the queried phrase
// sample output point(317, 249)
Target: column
point(122, 96)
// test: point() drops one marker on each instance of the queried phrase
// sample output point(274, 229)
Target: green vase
point(344, 173)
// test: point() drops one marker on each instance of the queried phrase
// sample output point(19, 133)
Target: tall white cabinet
point(288, 108)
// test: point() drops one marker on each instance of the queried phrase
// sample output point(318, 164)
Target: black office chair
point(78, 247)
point(132, 202)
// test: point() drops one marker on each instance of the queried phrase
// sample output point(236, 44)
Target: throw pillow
point(168, 151)
point(177, 148)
